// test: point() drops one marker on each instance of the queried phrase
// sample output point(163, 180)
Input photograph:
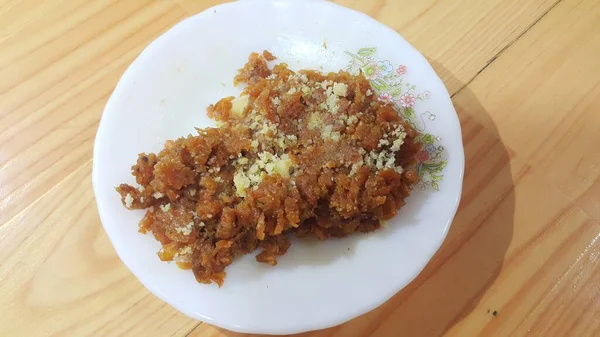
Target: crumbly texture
point(297, 153)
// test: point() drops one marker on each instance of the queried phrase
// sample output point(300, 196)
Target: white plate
point(163, 95)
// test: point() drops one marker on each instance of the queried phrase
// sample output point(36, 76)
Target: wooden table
point(521, 257)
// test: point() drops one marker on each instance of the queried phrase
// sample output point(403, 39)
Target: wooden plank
point(54, 88)
point(65, 276)
point(542, 95)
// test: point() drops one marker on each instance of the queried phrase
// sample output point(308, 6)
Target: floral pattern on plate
point(391, 87)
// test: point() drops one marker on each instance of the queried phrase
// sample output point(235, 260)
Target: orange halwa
point(297, 152)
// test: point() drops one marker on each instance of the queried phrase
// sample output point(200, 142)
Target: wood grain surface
point(521, 258)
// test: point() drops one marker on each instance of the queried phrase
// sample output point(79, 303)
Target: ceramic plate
point(164, 94)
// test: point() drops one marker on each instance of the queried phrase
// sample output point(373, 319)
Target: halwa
point(300, 153)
